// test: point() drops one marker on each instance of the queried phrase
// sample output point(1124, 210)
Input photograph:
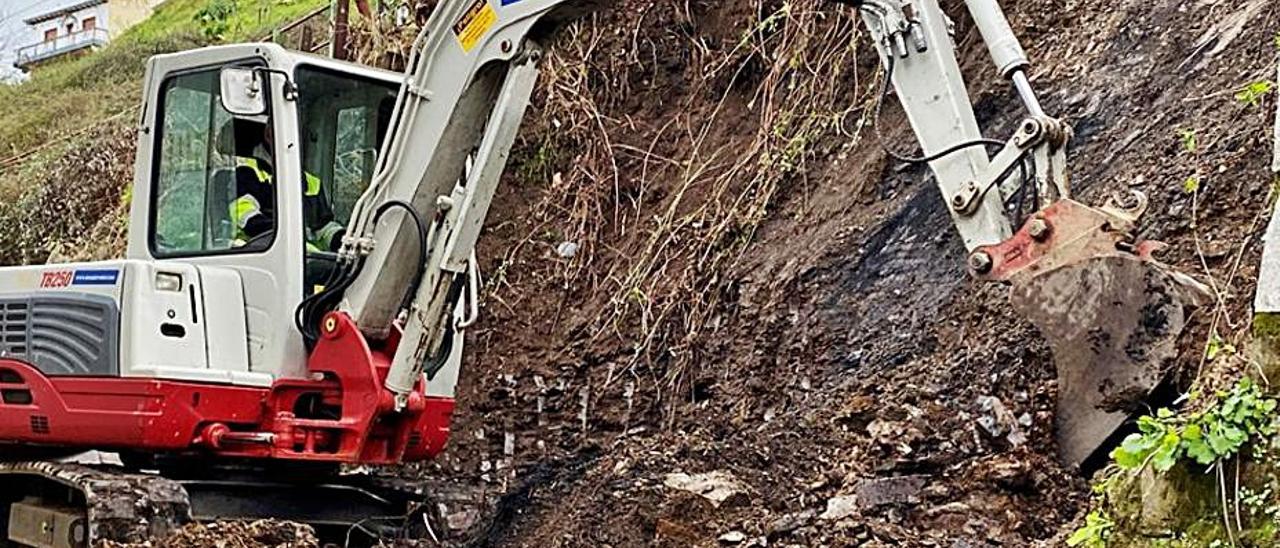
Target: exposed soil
point(841, 351)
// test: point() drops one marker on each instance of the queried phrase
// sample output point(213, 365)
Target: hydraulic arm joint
point(915, 42)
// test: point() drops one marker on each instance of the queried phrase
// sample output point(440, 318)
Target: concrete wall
point(127, 13)
point(1267, 299)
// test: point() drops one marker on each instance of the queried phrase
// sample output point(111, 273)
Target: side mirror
point(242, 92)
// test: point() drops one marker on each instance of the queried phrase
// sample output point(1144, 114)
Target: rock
point(1172, 501)
point(1275, 161)
point(790, 522)
point(998, 421)
point(956, 507)
point(567, 250)
point(463, 520)
point(884, 491)
point(870, 494)
point(733, 537)
point(840, 507)
point(679, 532)
point(719, 487)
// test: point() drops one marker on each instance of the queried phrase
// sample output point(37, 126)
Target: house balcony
point(36, 54)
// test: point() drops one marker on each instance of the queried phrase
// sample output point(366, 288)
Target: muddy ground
point(836, 365)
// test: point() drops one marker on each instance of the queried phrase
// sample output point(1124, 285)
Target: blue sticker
point(96, 277)
point(509, 2)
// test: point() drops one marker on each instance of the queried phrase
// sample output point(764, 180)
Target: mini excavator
point(301, 271)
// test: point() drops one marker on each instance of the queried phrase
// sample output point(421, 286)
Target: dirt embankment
point(700, 263)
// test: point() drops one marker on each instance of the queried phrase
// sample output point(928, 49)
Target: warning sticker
point(475, 24)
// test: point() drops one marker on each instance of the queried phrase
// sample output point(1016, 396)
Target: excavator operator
point(252, 211)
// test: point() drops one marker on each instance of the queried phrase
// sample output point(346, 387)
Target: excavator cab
point(257, 157)
point(220, 338)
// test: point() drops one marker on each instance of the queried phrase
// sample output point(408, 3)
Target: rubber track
point(121, 507)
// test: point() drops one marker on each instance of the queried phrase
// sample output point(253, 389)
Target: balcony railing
point(61, 45)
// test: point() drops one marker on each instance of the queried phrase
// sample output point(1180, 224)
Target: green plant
point(1097, 528)
point(766, 26)
point(1191, 185)
point(215, 18)
point(1218, 347)
point(1188, 138)
point(1252, 93)
point(1207, 437)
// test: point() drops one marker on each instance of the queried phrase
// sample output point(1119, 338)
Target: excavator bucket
point(1111, 313)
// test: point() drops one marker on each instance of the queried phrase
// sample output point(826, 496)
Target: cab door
point(213, 189)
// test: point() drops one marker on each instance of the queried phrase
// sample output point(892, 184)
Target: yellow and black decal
point(474, 24)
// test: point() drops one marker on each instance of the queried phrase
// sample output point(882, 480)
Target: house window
point(89, 23)
point(50, 35)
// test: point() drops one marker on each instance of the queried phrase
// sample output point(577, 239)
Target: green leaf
point(1149, 425)
point(1188, 138)
point(1081, 536)
point(1251, 94)
point(1133, 451)
point(1191, 186)
point(1167, 454)
point(1200, 451)
point(1217, 442)
point(1235, 435)
point(1094, 533)
point(1229, 408)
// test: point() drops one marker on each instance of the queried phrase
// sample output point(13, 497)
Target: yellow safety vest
point(313, 185)
point(313, 182)
point(322, 240)
point(243, 209)
point(252, 163)
point(246, 207)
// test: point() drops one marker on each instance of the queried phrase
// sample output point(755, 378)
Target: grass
point(60, 98)
point(52, 120)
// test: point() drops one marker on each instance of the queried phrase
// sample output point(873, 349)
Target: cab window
point(343, 119)
point(213, 174)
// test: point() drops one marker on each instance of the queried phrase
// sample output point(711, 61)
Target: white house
point(77, 28)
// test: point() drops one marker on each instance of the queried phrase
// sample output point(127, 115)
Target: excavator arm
point(1110, 312)
point(407, 267)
